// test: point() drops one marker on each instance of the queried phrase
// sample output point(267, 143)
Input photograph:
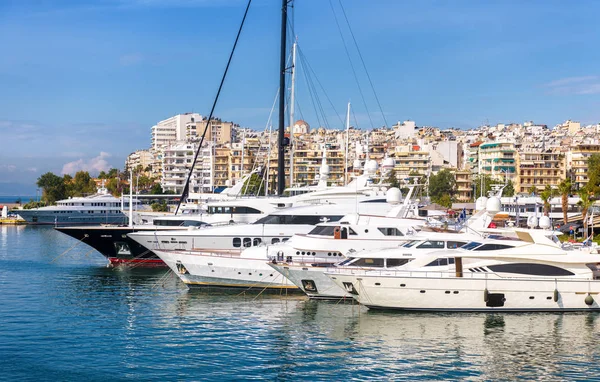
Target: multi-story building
point(411, 159)
point(539, 169)
point(171, 130)
point(219, 132)
point(140, 159)
point(577, 163)
point(464, 185)
point(497, 159)
point(177, 161)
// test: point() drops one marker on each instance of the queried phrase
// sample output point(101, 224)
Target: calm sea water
point(68, 317)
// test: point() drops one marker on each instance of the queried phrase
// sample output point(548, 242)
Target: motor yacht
point(534, 274)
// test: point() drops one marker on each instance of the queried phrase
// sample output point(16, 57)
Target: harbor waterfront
point(66, 316)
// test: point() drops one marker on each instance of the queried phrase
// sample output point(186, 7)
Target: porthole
point(455, 292)
point(402, 285)
point(366, 231)
point(239, 273)
point(422, 291)
point(271, 275)
point(447, 292)
point(329, 254)
point(377, 283)
point(212, 270)
point(260, 274)
point(531, 297)
point(303, 253)
point(548, 298)
point(314, 253)
point(297, 252)
point(249, 274)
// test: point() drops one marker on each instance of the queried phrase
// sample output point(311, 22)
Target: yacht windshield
point(297, 219)
point(323, 230)
point(411, 243)
point(471, 245)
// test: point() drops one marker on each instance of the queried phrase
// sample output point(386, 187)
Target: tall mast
point(292, 97)
point(281, 152)
point(347, 142)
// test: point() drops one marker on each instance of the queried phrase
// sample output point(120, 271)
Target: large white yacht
point(488, 275)
point(101, 208)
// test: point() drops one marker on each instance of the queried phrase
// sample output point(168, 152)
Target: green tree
point(83, 184)
point(445, 200)
point(443, 183)
point(53, 187)
point(160, 206)
point(112, 173)
point(254, 185)
point(102, 175)
point(488, 182)
point(156, 189)
point(593, 174)
point(509, 189)
point(113, 186)
point(392, 180)
point(585, 203)
point(532, 190)
point(546, 195)
point(565, 188)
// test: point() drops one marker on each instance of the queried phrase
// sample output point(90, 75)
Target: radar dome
point(532, 222)
point(493, 205)
point(388, 163)
point(480, 203)
point(545, 222)
point(371, 166)
point(394, 195)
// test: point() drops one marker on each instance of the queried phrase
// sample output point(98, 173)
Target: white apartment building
point(177, 161)
point(171, 130)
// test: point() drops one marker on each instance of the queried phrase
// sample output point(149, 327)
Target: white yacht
point(536, 274)
point(312, 280)
point(101, 208)
point(249, 269)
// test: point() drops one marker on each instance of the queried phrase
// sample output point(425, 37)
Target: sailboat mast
point(281, 152)
point(347, 143)
point(292, 100)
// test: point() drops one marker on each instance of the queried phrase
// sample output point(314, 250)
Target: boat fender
point(555, 296)
point(485, 295)
point(589, 300)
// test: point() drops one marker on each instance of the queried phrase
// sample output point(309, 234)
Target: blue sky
point(81, 83)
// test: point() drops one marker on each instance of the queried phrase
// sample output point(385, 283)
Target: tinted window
point(274, 240)
point(247, 242)
point(396, 262)
point(454, 244)
point(368, 263)
point(492, 247)
point(410, 243)
point(390, 231)
point(530, 269)
point(471, 245)
point(432, 244)
point(322, 230)
point(438, 262)
point(256, 241)
point(237, 242)
point(297, 219)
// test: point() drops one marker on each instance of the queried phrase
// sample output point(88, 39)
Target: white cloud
point(8, 168)
point(582, 85)
point(93, 165)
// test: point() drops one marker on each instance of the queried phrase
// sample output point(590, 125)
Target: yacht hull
point(114, 244)
point(198, 269)
point(471, 294)
point(311, 280)
point(41, 217)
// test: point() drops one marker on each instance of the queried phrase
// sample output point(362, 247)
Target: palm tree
point(546, 195)
point(565, 188)
point(585, 203)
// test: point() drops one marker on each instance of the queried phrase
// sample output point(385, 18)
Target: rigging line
point(304, 72)
point(186, 188)
point(363, 64)
point(315, 92)
point(351, 64)
point(303, 57)
point(355, 119)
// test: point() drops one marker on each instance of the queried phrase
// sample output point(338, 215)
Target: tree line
point(56, 187)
